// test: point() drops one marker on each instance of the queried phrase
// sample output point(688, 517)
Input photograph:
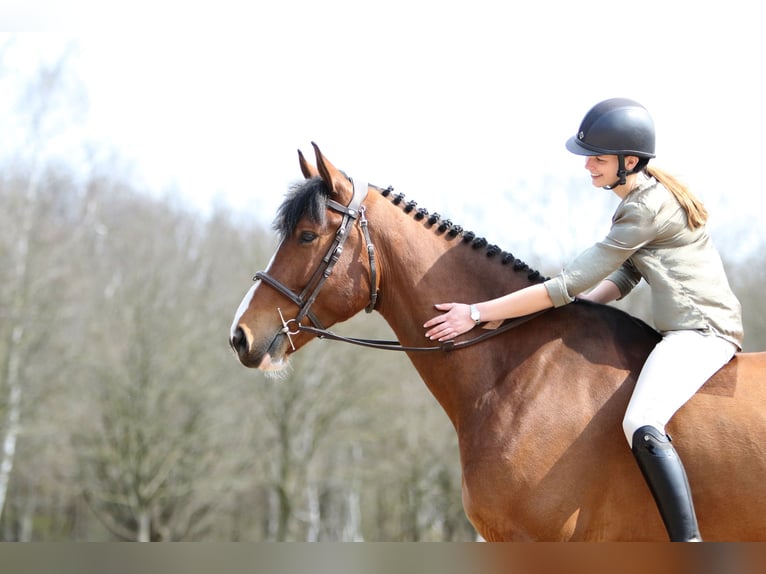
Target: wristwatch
point(475, 315)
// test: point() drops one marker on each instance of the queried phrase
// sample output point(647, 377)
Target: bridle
point(353, 212)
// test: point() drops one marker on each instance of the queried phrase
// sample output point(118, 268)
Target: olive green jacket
point(650, 239)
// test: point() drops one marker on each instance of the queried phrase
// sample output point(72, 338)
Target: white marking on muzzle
point(248, 298)
point(243, 307)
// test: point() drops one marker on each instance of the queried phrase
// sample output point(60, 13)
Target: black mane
point(309, 198)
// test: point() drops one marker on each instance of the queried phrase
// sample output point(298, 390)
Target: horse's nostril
point(238, 340)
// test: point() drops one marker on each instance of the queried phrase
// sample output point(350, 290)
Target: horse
point(536, 403)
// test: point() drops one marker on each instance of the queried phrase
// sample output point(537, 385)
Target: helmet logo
point(581, 136)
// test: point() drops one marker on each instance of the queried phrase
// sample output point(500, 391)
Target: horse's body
point(537, 409)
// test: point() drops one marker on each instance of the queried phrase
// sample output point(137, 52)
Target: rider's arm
point(604, 292)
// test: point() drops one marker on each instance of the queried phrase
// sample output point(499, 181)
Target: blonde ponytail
point(696, 214)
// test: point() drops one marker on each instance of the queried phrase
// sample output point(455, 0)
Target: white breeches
point(676, 369)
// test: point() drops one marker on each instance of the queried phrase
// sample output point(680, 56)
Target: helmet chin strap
point(622, 173)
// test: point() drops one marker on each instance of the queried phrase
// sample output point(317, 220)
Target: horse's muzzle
point(271, 359)
point(241, 346)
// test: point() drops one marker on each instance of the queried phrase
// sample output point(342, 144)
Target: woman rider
point(658, 233)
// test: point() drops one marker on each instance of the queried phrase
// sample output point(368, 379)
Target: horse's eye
point(307, 237)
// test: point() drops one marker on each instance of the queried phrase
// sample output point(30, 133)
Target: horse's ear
point(308, 170)
point(334, 179)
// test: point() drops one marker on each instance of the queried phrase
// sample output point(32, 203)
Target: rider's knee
point(632, 422)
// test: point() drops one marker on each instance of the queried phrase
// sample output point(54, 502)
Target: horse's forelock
point(307, 198)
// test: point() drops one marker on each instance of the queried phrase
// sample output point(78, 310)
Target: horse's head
point(320, 274)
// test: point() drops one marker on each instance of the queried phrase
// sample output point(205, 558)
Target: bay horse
point(537, 403)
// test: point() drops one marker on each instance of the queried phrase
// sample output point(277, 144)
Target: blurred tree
point(320, 409)
point(148, 467)
point(747, 277)
point(32, 248)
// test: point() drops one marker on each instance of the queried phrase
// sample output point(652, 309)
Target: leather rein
point(352, 213)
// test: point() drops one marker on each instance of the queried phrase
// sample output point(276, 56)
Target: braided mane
point(469, 237)
point(309, 198)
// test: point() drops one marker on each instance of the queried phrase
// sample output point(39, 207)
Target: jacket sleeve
point(633, 226)
point(626, 278)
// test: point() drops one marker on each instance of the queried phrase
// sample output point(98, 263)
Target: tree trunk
point(144, 526)
point(13, 412)
point(314, 514)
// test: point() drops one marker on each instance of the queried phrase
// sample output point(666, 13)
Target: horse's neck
point(421, 267)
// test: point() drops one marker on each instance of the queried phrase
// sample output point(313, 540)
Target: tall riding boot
point(666, 477)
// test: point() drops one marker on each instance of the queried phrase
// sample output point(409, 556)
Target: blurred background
point(140, 173)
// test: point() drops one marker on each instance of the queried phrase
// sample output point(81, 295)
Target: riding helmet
point(617, 126)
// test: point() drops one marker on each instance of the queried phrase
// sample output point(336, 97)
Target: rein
point(446, 346)
point(352, 212)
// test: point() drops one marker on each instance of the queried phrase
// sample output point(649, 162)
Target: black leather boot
point(666, 477)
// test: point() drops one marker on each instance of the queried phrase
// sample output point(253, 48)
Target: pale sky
point(452, 103)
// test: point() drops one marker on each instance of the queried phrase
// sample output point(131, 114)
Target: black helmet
point(618, 126)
